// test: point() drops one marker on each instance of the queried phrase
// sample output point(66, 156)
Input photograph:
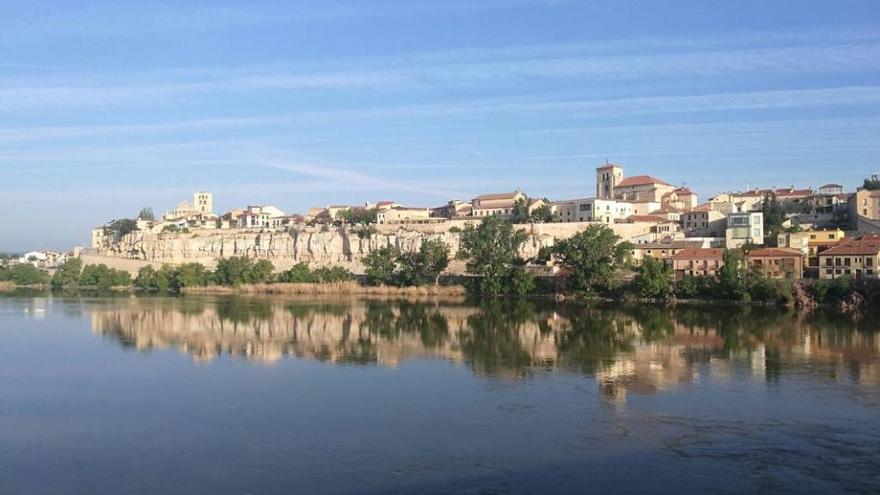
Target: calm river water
point(121, 395)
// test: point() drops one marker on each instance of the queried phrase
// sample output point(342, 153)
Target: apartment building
point(402, 215)
point(612, 184)
point(703, 262)
point(779, 263)
point(704, 221)
point(856, 258)
point(744, 228)
point(591, 210)
point(663, 251)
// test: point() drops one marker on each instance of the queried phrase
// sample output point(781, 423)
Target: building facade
point(698, 262)
point(778, 263)
point(744, 228)
point(854, 258)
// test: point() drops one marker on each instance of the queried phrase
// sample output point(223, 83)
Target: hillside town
point(789, 233)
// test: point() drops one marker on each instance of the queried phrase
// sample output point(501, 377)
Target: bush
point(653, 279)
point(380, 265)
point(25, 274)
point(240, 270)
point(103, 277)
point(332, 275)
point(591, 257)
point(491, 251)
point(298, 274)
point(67, 275)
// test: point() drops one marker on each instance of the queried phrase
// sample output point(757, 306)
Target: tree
point(433, 259)
point(26, 274)
point(380, 265)
point(653, 279)
point(520, 211)
point(332, 275)
point(120, 228)
point(190, 275)
point(491, 251)
point(774, 217)
point(146, 214)
point(543, 213)
point(298, 274)
point(67, 275)
point(233, 271)
point(357, 216)
point(591, 257)
point(730, 283)
point(872, 183)
point(261, 272)
point(144, 279)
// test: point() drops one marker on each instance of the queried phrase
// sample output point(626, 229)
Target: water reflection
point(632, 349)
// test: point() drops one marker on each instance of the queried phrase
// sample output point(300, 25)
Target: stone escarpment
point(341, 246)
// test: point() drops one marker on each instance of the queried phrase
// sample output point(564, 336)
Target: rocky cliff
point(313, 246)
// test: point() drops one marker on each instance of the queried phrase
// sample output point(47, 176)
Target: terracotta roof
point(699, 254)
point(683, 190)
point(383, 203)
point(489, 197)
point(782, 192)
point(866, 245)
point(774, 253)
point(640, 180)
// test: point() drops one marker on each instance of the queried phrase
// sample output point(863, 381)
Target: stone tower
point(607, 177)
point(203, 202)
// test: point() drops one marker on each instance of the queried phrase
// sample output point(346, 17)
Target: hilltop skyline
point(106, 107)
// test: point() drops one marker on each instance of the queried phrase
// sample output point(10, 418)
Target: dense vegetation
point(390, 266)
point(491, 252)
point(591, 258)
point(23, 274)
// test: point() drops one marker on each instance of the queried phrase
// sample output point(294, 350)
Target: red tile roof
point(640, 180)
point(699, 254)
point(649, 218)
point(865, 245)
point(774, 253)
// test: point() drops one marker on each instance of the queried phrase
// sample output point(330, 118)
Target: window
point(829, 271)
point(869, 261)
point(846, 261)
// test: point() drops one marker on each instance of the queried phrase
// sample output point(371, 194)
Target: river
point(235, 395)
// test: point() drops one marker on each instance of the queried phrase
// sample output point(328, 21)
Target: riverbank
point(334, 288)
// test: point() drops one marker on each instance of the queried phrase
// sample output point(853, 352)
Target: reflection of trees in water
point(492, 342)
point(638, 345)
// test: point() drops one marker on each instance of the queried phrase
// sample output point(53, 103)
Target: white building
point(743, 228)
point(591, 210)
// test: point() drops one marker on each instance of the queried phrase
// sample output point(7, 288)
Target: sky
point(109, 106)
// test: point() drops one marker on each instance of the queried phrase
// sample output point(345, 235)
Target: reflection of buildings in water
point(627, 353)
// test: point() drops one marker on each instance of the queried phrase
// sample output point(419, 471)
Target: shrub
point(653, 279)
point(332, 275)
point(298, 274)
point(67, 275)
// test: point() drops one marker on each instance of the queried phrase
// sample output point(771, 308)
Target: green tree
point(27, 274)
point(261, 272)
point(491, 251)
point(653, 279)
point(190, 275)
point(358, 216)
point(146, 214)
point(298, 274)
point(332, 275)
point(774, 217)
point(543, 213)
point(120, 228)
point(380, 265)
point(591, 257)
point(144, 279)
point(103, 277)
point(872, 183)
point(67, 275)
point(233, 271)
point(730, 282)
point(520, 211)
point(433, 260)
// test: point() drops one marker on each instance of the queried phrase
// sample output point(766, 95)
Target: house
point(401, 215)
point(334, 210)
point(704, 262)
point(744, 228)
point(680, 199)
point(611, 184)
point(659, 250)
point(785, 263)
point(856, 258)
point(591, 210)
point(496, 204)
point(831, 189)
point(704, 221)
point(262, 217)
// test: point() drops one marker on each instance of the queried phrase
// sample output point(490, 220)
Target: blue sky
point(109, 106)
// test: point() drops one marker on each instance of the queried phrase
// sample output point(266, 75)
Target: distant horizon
point(107, 107)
